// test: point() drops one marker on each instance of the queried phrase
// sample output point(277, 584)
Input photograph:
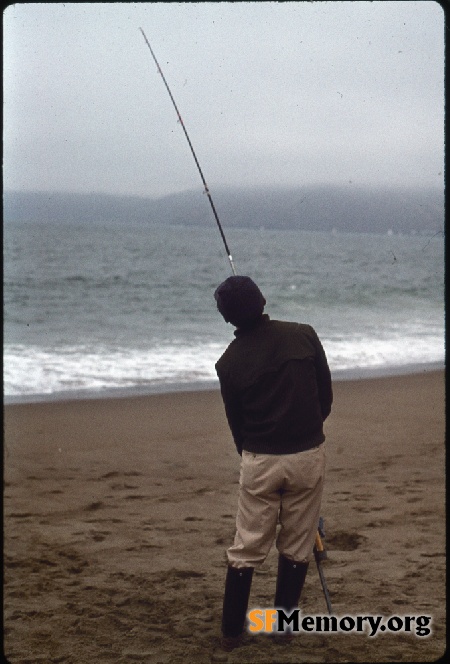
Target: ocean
point(105, 309)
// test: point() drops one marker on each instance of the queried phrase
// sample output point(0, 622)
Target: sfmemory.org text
point(278, 620)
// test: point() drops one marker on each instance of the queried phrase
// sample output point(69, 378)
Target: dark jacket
point(276, 387)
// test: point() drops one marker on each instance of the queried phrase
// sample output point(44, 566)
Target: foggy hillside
point(325, 208)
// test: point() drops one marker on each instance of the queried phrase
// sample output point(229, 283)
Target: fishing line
point(194, 155)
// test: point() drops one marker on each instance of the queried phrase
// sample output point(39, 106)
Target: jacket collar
point(265, 318)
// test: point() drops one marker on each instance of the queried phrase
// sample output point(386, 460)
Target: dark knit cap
point(240, 301)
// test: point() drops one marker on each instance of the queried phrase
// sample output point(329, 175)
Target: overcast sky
point(270, 93)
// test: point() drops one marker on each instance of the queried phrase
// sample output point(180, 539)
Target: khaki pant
point(285, 489)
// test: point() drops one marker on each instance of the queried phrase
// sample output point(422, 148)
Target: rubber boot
point(290, 581)
point(235, 603)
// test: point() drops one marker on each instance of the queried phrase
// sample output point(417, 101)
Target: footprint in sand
point(345, 541)
point(94, 506)
point(116, 473)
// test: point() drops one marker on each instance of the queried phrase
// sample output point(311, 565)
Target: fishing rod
point(319, 555)
point(233, 269)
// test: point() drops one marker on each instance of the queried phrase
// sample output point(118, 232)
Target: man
point(276, 389)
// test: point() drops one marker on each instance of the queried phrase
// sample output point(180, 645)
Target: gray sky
point(270, 93)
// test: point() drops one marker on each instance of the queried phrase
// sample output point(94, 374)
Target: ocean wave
point(34, 370)
point(104, 310)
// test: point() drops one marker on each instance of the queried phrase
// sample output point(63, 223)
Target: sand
point(117, 514)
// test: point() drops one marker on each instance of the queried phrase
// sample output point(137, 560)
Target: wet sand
point(117, 513)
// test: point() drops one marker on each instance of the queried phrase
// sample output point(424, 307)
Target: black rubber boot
point(235, 603)
point(290, 581)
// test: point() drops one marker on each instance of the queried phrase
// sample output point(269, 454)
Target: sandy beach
point(117, 514)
